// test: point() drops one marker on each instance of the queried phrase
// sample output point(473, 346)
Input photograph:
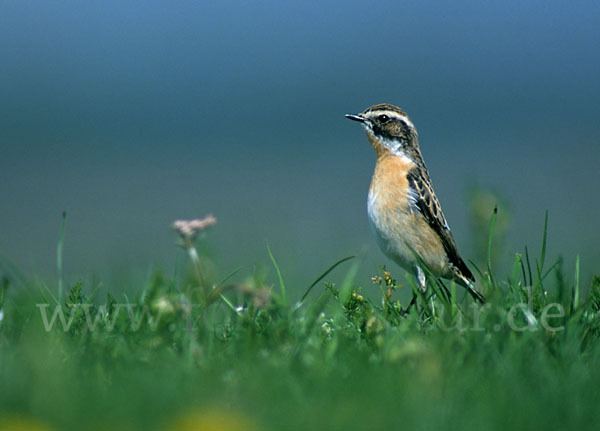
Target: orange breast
point(390, 184)
point(400, 230)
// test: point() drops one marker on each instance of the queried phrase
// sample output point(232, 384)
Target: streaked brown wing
point(427, 204)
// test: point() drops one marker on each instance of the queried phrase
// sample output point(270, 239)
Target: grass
point(189, 352)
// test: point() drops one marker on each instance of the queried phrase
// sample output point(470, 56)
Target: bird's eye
point(383, 119)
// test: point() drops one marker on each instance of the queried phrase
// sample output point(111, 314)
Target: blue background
point(129, 115)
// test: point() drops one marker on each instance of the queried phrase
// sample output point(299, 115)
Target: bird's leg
point(422, 284)
point(413, 303)
point(421, 280)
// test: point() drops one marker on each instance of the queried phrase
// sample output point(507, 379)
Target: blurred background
point(129, 115)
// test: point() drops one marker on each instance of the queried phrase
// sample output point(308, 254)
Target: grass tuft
point(193, 350)
point(282, 289)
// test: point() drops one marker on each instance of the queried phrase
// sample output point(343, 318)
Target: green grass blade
point(176, 272)
point(530, 282)
point(348, 283)
point(517, 265)
point(59, 256)
point(477, 270)
point(523, 270)
point(16, 275)
point(454, 305)
point(576, 288)
point(544, 241)
point(540, 266)
point(281, 283)
point(324, 274)
point(489, 250)
point(228, 276)
point(46, 290)
point(549, 270)
point(229, 304)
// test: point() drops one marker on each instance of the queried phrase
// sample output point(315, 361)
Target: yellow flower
point(21, 423)
point(216, 419)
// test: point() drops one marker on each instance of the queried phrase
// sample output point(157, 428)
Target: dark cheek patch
point(389, 133)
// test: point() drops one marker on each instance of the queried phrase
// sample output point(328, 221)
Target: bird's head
point(388, 128)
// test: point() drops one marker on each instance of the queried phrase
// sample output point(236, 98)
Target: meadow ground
point(192, 353)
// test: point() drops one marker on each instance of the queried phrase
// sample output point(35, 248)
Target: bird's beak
point(358, 118)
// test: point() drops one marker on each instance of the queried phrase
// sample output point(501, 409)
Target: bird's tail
point(468, 284)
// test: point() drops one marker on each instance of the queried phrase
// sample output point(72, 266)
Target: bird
point(404, 212)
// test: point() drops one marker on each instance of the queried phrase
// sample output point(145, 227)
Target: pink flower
point(189, 228)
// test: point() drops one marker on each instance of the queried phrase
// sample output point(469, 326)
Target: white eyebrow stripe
point(393, 114)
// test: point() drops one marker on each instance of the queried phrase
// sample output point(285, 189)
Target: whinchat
point(404, 212)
